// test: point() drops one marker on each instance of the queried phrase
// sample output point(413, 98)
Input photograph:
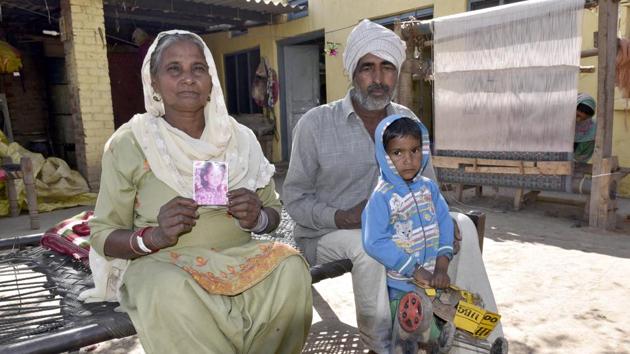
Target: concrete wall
point(85, 49)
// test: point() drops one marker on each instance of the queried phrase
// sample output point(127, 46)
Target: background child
point(406, 225)
point(585, 127)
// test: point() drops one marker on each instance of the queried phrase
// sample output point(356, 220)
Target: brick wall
point(85, 47)
point(26, 98)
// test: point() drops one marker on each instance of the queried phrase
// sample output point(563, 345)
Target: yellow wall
point(336, 18)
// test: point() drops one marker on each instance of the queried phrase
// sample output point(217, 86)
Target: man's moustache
point(382, 87)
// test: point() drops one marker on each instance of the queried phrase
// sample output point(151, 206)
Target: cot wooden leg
point(14, 207)
point(31, 195)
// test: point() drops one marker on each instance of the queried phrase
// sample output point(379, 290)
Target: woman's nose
point(188, 78)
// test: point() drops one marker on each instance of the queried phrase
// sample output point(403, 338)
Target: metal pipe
point(20, 241)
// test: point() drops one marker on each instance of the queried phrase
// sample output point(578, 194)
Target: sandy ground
point(561, 287)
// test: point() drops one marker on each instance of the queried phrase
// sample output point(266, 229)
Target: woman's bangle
point(140, 237)
point(133, 249)
point(261, 223)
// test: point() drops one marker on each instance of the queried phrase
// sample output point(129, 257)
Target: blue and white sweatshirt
point(405, 224)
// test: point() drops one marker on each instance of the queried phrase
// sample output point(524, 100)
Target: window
point(483, 4)
point(299, 14)
point(240, 69)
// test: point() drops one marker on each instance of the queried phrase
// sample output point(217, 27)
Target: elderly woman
point(196, 282)
point(585, 127)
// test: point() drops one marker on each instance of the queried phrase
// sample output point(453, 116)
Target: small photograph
point(210, 183)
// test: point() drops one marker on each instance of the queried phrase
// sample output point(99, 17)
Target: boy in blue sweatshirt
point(406, 224)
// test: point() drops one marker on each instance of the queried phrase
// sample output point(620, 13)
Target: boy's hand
point(440, 278)
point(422, 277)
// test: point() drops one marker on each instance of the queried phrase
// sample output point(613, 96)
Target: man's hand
point(440, 278)
point(351, 218)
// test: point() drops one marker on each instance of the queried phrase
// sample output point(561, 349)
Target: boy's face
point(406, 154)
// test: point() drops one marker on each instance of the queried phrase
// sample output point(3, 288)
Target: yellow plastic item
point(475, 320)
point(430, 292)
point(10, 59)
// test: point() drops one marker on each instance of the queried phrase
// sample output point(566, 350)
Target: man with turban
point(333, 171)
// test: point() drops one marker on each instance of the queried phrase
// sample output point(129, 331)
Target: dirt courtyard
point(560, 288)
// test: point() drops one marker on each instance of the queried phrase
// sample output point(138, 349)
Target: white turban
point(371, 38)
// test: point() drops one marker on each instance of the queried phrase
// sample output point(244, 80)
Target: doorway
point(302, 79)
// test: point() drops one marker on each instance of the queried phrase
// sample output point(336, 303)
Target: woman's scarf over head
point(170, 152)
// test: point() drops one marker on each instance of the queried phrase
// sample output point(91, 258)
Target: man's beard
point(371, 103)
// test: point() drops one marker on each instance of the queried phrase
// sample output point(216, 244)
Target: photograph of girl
point(210, 183)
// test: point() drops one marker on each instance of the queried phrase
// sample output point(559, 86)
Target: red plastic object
point(410, 312)
point(81, 229)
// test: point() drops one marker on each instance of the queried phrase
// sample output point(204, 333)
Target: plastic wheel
point(500, 346)
point(447, 336)
point(410, 312)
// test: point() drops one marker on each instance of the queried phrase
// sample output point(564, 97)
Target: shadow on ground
point(330, 336)
point(545, 223)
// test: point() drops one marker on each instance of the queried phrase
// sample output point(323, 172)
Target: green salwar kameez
point(216, 290)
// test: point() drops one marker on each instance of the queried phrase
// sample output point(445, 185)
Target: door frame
point(284, 139)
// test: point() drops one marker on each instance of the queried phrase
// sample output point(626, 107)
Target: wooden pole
point(405, 79)
point(602, 206)
point(26, 165)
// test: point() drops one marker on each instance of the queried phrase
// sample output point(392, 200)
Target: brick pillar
point(85, 46)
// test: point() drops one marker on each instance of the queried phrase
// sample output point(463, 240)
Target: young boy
point(406, 225)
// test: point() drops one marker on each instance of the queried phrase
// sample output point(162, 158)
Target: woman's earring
point(156, 97)
point(208, 99)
